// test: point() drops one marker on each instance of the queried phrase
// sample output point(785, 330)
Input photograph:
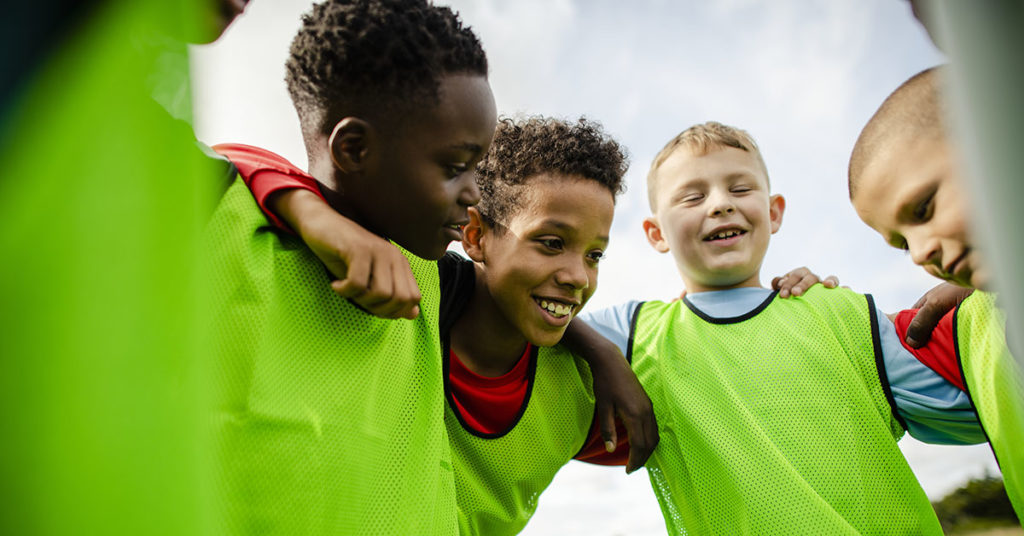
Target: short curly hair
point(525, 148)
point(353, 55)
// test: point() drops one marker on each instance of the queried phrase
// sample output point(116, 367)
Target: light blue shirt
point(934, 410)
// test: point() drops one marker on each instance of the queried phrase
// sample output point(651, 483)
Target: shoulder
point(251, 160)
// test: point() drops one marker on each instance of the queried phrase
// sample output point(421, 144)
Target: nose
point(573, 274)
point(720, 204)
point(924, 250)
point(469, 191)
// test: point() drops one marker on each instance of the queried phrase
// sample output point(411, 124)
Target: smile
point(951, 269)
point(724, 235)
point(557, 309)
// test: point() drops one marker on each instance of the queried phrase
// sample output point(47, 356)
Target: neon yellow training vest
point(776, 422)
point(498, 478)
point(993, 383)
point(327, 420)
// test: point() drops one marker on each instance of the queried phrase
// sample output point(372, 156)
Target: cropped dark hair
point(350, 54)
point(528, 147)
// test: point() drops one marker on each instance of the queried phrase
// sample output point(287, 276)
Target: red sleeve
point(940, 352)
point(593, 450)
point(265, 172)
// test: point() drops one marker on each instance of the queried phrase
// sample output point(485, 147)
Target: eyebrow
point(913, 198)
point(566, 227)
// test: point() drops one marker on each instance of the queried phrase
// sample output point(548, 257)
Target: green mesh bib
point(775, 422)
point(993, 383)
point(498, 479)
point(327, 420)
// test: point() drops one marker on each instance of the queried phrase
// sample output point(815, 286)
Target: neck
point(704, 285)
point(485, 341)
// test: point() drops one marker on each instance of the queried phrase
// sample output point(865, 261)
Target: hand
point(933, 306)
point(796, 282)
point(618, 393)
point(371, 271)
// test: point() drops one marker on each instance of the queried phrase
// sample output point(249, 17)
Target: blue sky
point(801, 76)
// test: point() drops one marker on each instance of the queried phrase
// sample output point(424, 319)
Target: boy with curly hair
point(328, 420)
point(905, 183)
point(519, 405)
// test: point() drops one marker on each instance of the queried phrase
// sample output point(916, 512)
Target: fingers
point(643, 436)
point(606, 419)
point(920, 329)
point(933, 306)
point(796, 282)
point(384, 286)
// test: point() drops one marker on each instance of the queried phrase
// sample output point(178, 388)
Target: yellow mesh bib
point(993, 383)
point(775, 422)
point(498, 479)
point(327, 420)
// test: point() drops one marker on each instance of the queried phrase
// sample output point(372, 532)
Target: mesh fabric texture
point(775, 422)
point(994, 385)
point(327, 420)
point(498, 479)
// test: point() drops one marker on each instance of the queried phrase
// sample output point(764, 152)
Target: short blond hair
point(701, 139)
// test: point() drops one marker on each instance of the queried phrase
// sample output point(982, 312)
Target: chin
point(430, 251)
point(979, 280)
point(546, 338)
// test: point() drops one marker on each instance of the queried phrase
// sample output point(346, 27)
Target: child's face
point(423, 178)
point(912, 195)
point(715, 214)
point(542, 267)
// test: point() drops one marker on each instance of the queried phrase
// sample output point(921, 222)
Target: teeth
point(725, 234)
point(555, 308)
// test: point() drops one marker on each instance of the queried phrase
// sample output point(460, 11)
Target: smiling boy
point(775, 416)
point(518, 406)
point(905, 183)
point(328, 420)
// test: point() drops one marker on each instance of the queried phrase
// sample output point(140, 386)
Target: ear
point(473, 235)
point(654, 235)
point(776, 206)
point(350, 143)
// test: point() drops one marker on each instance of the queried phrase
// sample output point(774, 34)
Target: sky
point(802, 76)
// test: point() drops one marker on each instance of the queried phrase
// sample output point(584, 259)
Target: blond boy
point(775, 416)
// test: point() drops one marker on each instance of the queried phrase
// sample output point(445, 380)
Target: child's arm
point(372, 272)
point(617, 392)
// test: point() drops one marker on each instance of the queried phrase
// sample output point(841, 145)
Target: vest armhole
point(967, 384)
point(883, 376)
point(632, 332)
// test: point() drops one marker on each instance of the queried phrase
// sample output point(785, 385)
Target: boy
point(516, 413)
point(327, 419)
point(775, 416)
point(904, 183)
point(518, 407)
